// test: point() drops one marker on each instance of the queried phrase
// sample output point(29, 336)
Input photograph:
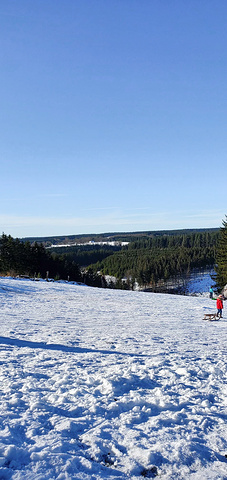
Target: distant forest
point(149, 258)
point(71, 240)
point(85, 255)
point(33, 260)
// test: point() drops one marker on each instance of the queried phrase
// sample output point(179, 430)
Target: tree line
point(151, 260)
point(85, 255)
point(33, 260)
point(220, 276)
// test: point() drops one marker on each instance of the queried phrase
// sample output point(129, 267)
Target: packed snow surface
point(106, 384)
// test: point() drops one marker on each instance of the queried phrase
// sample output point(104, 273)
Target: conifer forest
point(149, 259)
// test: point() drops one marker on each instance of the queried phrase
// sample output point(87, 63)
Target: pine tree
point(221, 258)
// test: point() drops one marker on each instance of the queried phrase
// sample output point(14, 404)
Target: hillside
point(160, 261)
point(154, 261)
point(105, 384)
point(111, 236)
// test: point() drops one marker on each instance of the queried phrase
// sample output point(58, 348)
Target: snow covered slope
point(106, 384)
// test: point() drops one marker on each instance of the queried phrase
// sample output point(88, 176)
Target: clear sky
point(113, 115)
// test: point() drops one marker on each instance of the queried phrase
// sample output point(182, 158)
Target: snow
point(107, 384)
point(92, 242)
point(200, 282)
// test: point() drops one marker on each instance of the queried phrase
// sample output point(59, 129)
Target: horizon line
point(131, 232)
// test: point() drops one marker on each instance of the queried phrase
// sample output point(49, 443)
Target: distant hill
point(150, 259)
point(111, 236)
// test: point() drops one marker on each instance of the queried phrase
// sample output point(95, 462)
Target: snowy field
point(106, 384)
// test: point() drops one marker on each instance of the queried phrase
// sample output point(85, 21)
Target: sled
point(210, 316)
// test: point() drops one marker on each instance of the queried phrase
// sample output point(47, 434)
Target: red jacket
point(219, 304)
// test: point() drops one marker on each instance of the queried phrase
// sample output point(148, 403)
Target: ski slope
point(106, 384)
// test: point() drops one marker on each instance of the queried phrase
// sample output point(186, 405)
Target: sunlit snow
point(106, 384)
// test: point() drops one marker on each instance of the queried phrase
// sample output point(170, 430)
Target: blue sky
point(113, 115)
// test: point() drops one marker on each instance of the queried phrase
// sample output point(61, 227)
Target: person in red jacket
point(219, 306)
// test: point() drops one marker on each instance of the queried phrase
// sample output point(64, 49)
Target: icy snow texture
point(105, 384)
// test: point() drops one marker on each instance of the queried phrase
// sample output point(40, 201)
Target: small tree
point(221, 258)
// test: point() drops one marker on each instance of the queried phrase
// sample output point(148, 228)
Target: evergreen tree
point(221, 258)
point(162, 257)
point(17, 257)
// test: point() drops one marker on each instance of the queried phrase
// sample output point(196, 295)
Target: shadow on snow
point(63, 348)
